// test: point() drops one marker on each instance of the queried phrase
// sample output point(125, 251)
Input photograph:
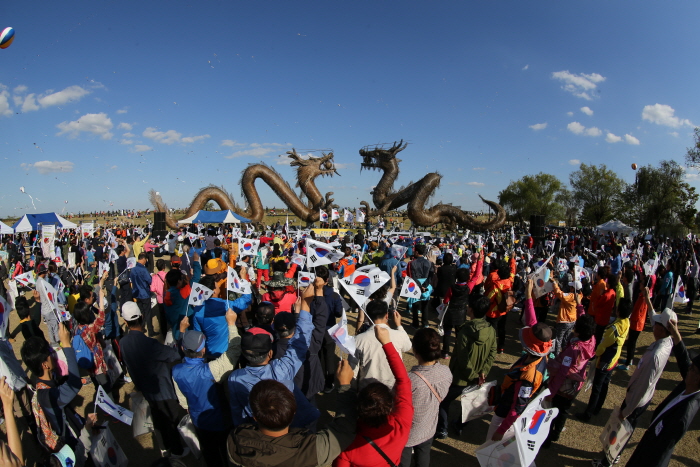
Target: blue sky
point(101, 101)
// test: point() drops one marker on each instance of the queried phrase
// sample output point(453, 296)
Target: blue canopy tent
point(30, 222)
point(214, 217)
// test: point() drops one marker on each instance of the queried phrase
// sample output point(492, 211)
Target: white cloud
point(570, 114)
point(587, 110)
point(342, 166)
point(123, 111)
point(580, 85)
point(593, 131)
point(692, 176)
point(125, 126)
point(71, 93)
point(44, 167)
point(114, 167)
point(98, 124)
point(260, 150)
point(475, 183)
point(29, 103)
point(629, 139)
point(664, 115)
point(141, 148)
point(611, 138)
point(478, 168)
point(231, 143)
point(574, 162)
point(674, 134)
point(20, 89)
point(126, 141)
point(5, 104)
point(128, 135)
point(526, 67)
point(192, 139)
point(576, 128)
point(255, 152)
point(539, 126)
point(170, 136)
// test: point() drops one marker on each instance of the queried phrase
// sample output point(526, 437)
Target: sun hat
point(214, 266)
point(278, 280)
point(537, 340)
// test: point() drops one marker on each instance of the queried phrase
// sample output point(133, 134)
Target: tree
point(209, 206)
point(533, 194)
point(661, 199)
point(692, 156)
point(597, 191)
point(570, 205)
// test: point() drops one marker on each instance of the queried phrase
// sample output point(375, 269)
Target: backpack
point(83, 353)
point(507, 301)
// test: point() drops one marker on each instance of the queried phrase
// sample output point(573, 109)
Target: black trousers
point(166, 415)
point(563, 404)
point(419, 453)
point(329, 360)
point(444, 411)
point(212, 445)
point(499, 324)
point(145, 307)
point(631, 345)
point(599, 391)
point(421, 306)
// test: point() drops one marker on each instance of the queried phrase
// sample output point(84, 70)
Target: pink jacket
point(571, 363)
point(157, 285)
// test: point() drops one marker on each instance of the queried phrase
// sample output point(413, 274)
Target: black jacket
point(659, 441)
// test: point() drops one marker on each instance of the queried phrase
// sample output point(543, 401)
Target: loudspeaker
point(537, 226)
point(159, 227)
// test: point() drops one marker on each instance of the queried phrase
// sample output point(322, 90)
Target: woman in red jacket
point(384, 421)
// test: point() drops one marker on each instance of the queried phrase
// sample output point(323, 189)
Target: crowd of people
point(246, 365)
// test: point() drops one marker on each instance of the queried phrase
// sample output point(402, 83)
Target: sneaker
point(440, 435)
point(127, 379)
point(185, 453)
point(622, 367)
point(457, 427)
point(584, 417)
point(329, 389)
point(445, 356)
point(500, 351)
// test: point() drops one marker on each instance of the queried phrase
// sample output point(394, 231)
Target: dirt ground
point(578, 444)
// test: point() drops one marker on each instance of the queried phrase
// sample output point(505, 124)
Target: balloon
point(634, 166)
point(21, 189)
point(6, 37)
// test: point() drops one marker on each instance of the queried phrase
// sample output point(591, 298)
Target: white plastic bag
point(475, 401)
point(142, 422)
point(189, 435)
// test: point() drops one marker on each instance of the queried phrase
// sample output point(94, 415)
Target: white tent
point(30, 222)
point(615, 226)
point(214, 217)
point(6, 229)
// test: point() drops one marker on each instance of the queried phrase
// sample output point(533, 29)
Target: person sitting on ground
point(384, 419)
point(430, 382)
point(369, 363)
point(272, 440)
point(475, 352)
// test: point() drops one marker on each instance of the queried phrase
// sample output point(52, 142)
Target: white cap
point(664, 317)
point(130, 311)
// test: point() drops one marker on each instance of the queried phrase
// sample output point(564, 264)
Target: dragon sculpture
point(307, 172)
point(416, 194)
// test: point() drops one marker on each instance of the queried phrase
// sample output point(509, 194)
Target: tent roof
point(31, 222)
point(214, 217)
point(6, 229)
point(615, 226)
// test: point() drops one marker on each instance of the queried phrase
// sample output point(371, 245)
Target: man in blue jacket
point(141, 291)
point(257, 349)
point(197, 389)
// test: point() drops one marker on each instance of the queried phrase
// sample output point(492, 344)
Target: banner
point(48, 236)
point(103, 401)
point(88, 229)
point(327, 233)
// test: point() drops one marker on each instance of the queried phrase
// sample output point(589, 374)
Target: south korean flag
point(410, 289)
point(235, 284)
point(199, 294)
point(305, 279)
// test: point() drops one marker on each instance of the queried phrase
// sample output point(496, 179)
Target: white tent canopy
point(615, 226)
point(30, 222)
point(214, 217)
point(6, 229)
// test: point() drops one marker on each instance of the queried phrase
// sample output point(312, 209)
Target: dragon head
point(313, 167)
point(381, 158)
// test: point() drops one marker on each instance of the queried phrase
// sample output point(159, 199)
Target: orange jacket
point(495, 286)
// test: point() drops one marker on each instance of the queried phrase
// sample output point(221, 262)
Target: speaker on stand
point(159, 227)
point(537, 222)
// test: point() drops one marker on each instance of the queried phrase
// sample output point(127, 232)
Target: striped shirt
point(425, 404)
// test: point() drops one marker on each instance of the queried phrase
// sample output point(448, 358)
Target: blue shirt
point(210, 319)
point(196, 382)
point(283, 370)
point(140, 282)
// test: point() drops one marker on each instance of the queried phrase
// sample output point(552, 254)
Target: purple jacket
point(571, 363)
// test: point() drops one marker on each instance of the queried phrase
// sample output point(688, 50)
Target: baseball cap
point(175, 260)
point(41, 268)
point(65, 456)
point(130, 311)
point(256, 341)
point(193, 341)
point(664, 317)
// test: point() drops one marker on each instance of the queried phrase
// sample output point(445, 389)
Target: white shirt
point(642, 384)
point(370, 364)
